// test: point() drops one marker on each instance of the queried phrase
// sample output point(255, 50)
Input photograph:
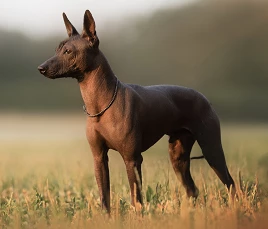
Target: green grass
point(47, 180)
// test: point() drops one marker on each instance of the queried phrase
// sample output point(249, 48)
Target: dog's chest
point(116, 133)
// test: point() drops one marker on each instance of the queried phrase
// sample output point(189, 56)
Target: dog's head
point(75, 55)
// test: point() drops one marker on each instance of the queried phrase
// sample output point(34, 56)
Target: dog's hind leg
point(209, 139)
point(180, 146)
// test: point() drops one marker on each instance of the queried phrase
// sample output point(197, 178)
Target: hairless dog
point(131, 118)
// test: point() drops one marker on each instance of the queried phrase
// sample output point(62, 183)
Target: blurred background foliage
point(215, 47)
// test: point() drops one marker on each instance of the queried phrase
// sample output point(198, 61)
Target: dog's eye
point(67, 51)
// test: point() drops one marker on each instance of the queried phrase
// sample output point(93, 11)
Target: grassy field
point(47, 180)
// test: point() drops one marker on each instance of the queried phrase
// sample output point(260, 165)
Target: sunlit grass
point(47, 181)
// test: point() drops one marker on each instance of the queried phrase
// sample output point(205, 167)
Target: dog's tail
point(200, 157)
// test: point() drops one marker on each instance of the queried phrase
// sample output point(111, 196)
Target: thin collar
point(107, 107)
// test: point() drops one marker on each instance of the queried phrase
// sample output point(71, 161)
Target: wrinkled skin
point(138, 117)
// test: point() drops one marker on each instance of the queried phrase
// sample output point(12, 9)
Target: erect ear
point(89, 30)
point(70, 28)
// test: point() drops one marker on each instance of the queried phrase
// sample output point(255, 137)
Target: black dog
point(131, 118)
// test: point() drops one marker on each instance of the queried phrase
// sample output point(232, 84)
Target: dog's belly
point(156, 129)
point(149, 141)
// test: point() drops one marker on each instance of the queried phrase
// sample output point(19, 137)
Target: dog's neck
point(98, 86)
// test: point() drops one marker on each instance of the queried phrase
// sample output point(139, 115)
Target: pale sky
point(44, 17)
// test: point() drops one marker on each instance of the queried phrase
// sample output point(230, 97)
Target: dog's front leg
point(133, 167)
point(102, 177)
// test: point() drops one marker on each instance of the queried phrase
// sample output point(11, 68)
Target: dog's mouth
point(50, 77)
point(45, 71)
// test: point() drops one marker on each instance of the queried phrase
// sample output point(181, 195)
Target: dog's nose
point(41, 69)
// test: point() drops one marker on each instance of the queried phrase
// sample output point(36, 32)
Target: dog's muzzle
point(41, 69)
